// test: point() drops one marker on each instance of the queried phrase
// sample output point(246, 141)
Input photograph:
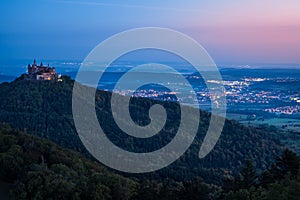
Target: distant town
point(246, 95)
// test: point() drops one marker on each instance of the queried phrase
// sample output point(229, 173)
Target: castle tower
point(29, 69)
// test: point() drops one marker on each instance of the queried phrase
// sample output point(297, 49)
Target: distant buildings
point(288, 110)
point(41, 73)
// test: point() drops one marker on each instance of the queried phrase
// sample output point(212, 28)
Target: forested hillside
point(44, 109)
point(35, 168)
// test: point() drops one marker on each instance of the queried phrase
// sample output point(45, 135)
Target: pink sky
point(258, 31)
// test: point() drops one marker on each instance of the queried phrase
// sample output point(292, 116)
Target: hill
point(34, 168)
point(44, 109)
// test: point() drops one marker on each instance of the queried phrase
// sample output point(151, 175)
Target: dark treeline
point(35, 168)
point(280, 181)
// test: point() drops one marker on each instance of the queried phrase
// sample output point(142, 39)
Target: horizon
point(17, 67)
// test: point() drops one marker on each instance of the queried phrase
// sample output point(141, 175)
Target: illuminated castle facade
point(40, 72)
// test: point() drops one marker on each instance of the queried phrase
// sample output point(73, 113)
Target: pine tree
point(248, 175)
point(286, 166)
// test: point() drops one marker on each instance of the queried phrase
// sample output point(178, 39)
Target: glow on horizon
point(233, 31)
point(258, 31)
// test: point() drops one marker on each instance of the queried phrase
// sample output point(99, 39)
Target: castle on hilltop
point(40, 72)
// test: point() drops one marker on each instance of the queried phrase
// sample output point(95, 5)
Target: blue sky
point(232, 31)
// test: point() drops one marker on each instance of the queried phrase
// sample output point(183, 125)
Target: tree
point(287, 164)
point(195, 190)
point(249, 177)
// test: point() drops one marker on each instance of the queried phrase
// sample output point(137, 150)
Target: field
point(286, 124)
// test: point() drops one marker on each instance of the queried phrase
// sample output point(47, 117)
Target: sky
point(243, 32)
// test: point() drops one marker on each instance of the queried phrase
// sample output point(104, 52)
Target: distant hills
point(6, 78)
point(44, 109)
